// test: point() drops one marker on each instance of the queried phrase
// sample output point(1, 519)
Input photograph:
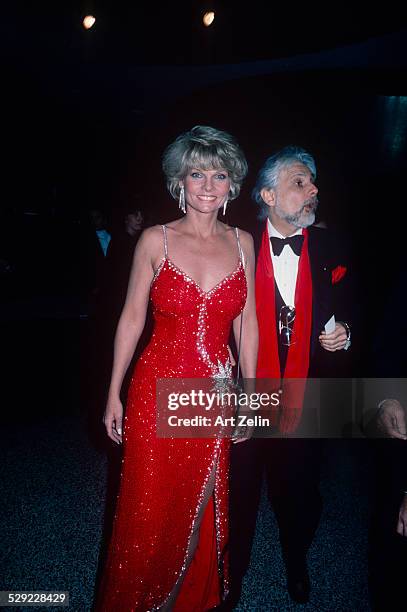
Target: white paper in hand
point(330, 326)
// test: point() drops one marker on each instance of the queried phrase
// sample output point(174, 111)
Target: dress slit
point(191, 593)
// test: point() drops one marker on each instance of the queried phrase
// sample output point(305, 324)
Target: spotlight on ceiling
point(88, 22)
point(208, 18)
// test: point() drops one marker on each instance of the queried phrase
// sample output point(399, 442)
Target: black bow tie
point(295, 242)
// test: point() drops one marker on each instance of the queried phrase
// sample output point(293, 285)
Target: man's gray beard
point(298, 220)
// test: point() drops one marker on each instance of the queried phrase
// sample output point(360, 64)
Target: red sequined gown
point(163, 480)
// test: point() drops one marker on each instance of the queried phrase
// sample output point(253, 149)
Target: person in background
point(95, 239)
point(125, 235)
point(119, 259)
point(99, 223)
point(388, 529)
point(95, 355)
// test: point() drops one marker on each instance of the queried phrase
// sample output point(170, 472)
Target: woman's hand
point(242, 433)
point(113, 419)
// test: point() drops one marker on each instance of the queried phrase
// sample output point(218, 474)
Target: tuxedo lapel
point(320, 264)
point(322, 305)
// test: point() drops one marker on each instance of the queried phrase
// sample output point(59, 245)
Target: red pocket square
point(338, 273)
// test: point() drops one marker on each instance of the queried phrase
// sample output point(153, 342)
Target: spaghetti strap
point(241, 254)
point(165, 241)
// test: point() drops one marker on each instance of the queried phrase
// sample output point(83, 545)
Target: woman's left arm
point(250, 333)
point(247, 342)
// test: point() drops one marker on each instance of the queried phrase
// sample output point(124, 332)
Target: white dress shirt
point(285, 266)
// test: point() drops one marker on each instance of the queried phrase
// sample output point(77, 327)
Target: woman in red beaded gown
point(169, 540)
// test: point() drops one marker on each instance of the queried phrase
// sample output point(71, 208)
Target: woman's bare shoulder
point(246, 239)
point(232, 229)
point(151, 240)
point(229, 230)
point(173, 225)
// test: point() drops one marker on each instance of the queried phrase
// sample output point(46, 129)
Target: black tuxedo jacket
point(326, 253)
point(391, 459)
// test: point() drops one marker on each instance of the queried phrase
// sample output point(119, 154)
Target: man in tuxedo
point(300, 280)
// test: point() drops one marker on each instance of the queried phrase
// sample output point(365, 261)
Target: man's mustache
point(312, 203)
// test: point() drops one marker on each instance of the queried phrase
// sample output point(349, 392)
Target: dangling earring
point(181, 201)
point(224, 206)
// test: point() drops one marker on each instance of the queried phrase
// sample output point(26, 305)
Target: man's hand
point(334, 341)
point(402, 522)
point(391, 419)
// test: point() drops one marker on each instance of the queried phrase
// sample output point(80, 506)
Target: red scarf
point(268, 365)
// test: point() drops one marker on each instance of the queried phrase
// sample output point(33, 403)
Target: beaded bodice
point(191, 324)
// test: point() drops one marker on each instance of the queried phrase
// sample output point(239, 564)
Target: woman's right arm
point(130, 326)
